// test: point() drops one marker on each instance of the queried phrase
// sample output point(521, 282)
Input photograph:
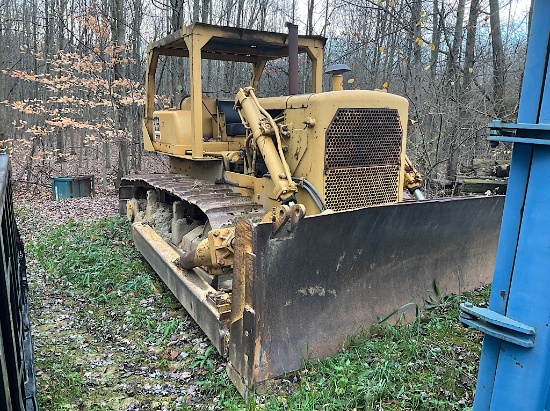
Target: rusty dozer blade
point(300, 292)
point(299, 296)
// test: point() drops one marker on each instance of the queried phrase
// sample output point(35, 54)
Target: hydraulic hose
point(311, 190)
point(313, 198)
point(307, 183)
point(417, 193)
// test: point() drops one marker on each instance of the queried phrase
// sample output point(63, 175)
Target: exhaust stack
point(292, 58)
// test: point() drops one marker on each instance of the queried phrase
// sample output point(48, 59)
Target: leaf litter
point(115, 348)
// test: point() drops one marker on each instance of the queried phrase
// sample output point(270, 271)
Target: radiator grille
point(348, 188)
point(362, 158)
point(363, 137)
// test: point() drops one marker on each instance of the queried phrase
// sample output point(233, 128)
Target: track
point(207, 298)
point(218, 202)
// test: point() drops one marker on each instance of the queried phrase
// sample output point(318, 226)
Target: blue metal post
point(514, 376)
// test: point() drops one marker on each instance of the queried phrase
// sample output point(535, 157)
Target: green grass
point(65, 376)
point(98, 258)
point(430, 364)
point(110, 294)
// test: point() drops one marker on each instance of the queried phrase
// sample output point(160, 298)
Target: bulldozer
point(282, 226)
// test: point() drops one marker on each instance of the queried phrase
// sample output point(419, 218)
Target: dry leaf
point(155, 290)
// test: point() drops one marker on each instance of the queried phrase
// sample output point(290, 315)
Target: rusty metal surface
point(241, 348)
point(221, 205)
point(337, 274)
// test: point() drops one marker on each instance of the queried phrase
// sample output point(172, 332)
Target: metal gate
point(17, 383)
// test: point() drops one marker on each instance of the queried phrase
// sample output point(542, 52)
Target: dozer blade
point(301, 295)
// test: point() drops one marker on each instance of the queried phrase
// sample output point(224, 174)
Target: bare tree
point(118, 39)
point(454, 54)
point(137, 19)
point(436, 38)
point(310, 8)
point(469, 52)
point(499, 59)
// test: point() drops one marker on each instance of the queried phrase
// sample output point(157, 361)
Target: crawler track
point(218, 202)
point(215, 206)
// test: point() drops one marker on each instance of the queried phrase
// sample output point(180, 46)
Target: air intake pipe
point(337, 72)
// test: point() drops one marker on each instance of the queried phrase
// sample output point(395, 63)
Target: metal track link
point(219, 202)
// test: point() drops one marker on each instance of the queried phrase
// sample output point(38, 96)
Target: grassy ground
point(108, 336)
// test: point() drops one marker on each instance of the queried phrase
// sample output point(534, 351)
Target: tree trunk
point(2, 92)
point(469, 55)
point(29, 164)
point(106, 154)
point(310, 7)
point(73, 144)
point(416, 64)
point(229, 9)
point(104, 168)
point(177, 79)
point(196, 10)
point(47, 33)
point(136, 54)
point(60, 132)
point(499, 60)
point(325, 25)
point(454, 55)
point(205, 11)
point(240, 9)
point(436, 39)
point(118, 38)
point(81, 152)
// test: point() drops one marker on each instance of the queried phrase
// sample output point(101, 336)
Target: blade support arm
point(262, 125)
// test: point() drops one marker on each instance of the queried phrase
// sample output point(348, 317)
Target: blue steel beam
point(514, 377)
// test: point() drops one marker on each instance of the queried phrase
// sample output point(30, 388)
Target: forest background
point(72, 74)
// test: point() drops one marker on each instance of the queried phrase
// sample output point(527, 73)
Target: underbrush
point(115, 302)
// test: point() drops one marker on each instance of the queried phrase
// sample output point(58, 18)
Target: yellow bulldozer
point(281, 227)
